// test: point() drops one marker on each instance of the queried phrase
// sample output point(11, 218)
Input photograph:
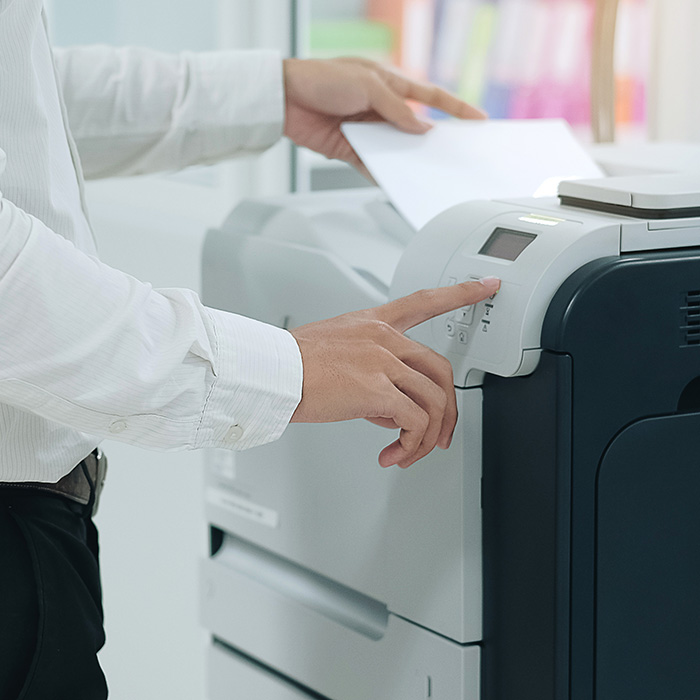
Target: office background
point(152, 227)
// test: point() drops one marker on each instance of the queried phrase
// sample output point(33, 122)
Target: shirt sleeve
point(91, 347)
point(134, 110)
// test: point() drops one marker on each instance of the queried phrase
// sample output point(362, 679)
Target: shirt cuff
point(258, 383)
point(240, 106)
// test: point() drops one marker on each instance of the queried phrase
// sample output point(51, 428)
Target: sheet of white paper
point(459, 161)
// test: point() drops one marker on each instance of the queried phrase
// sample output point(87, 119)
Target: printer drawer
point(333, 648)
point(232, 676)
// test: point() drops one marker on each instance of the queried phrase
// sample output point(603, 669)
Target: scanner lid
point(668, 196)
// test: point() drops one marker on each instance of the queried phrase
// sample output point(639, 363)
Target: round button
point(234, 433)
point(118, 426)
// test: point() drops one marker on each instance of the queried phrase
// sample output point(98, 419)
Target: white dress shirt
point(86, 351)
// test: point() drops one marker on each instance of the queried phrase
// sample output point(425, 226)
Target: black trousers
point(50, 599)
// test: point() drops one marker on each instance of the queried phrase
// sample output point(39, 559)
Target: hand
point(321, 95)
point(360, 365)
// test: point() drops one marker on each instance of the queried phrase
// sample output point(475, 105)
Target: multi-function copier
point(553, 552)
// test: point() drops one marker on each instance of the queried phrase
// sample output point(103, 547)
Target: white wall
point(674, 90)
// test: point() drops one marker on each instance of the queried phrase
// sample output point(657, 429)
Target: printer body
point(552, 552)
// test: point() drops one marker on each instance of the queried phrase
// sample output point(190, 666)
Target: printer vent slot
point(692, 300)
point(690, 319)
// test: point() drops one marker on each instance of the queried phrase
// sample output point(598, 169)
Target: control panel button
point(462, 336)
point(450, 327)
point(465, 315)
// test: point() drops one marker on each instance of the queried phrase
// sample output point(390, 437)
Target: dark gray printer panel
point(570, 531)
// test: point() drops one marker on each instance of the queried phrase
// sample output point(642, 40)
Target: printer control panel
point(532, 247)
point(463, 323)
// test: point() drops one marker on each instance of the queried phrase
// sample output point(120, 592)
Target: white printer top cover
point(657, 192)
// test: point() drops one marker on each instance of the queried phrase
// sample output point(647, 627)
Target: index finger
point(432, 96)
point(418, 307)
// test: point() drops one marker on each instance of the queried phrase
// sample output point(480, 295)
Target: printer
point(553, 551)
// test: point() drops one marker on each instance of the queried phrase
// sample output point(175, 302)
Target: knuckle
point(447, 375)
point(411, 438)
point(381, 327)
point(382, 331)
point(385, 360)
point(432, 93)
point(381, 387)
point(436, 398)
point(423, 421)
point(444, 365)
point(369, 331)
point(375, 80)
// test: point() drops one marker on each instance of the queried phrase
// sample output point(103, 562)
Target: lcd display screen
point(506, 244)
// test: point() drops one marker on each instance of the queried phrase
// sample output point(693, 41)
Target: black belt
point(83, 484)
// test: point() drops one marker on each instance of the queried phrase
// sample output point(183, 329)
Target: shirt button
point(118, 426)
point(234, 433)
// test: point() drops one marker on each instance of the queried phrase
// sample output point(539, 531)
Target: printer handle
point(333, 600)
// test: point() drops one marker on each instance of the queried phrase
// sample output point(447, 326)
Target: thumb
point(418, 307)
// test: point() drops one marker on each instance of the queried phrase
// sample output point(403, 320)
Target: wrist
point(289, 69)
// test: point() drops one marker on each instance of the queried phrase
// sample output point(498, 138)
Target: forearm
point(90, 347)
point(134, 110)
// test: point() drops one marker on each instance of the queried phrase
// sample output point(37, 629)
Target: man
point(87, 352)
